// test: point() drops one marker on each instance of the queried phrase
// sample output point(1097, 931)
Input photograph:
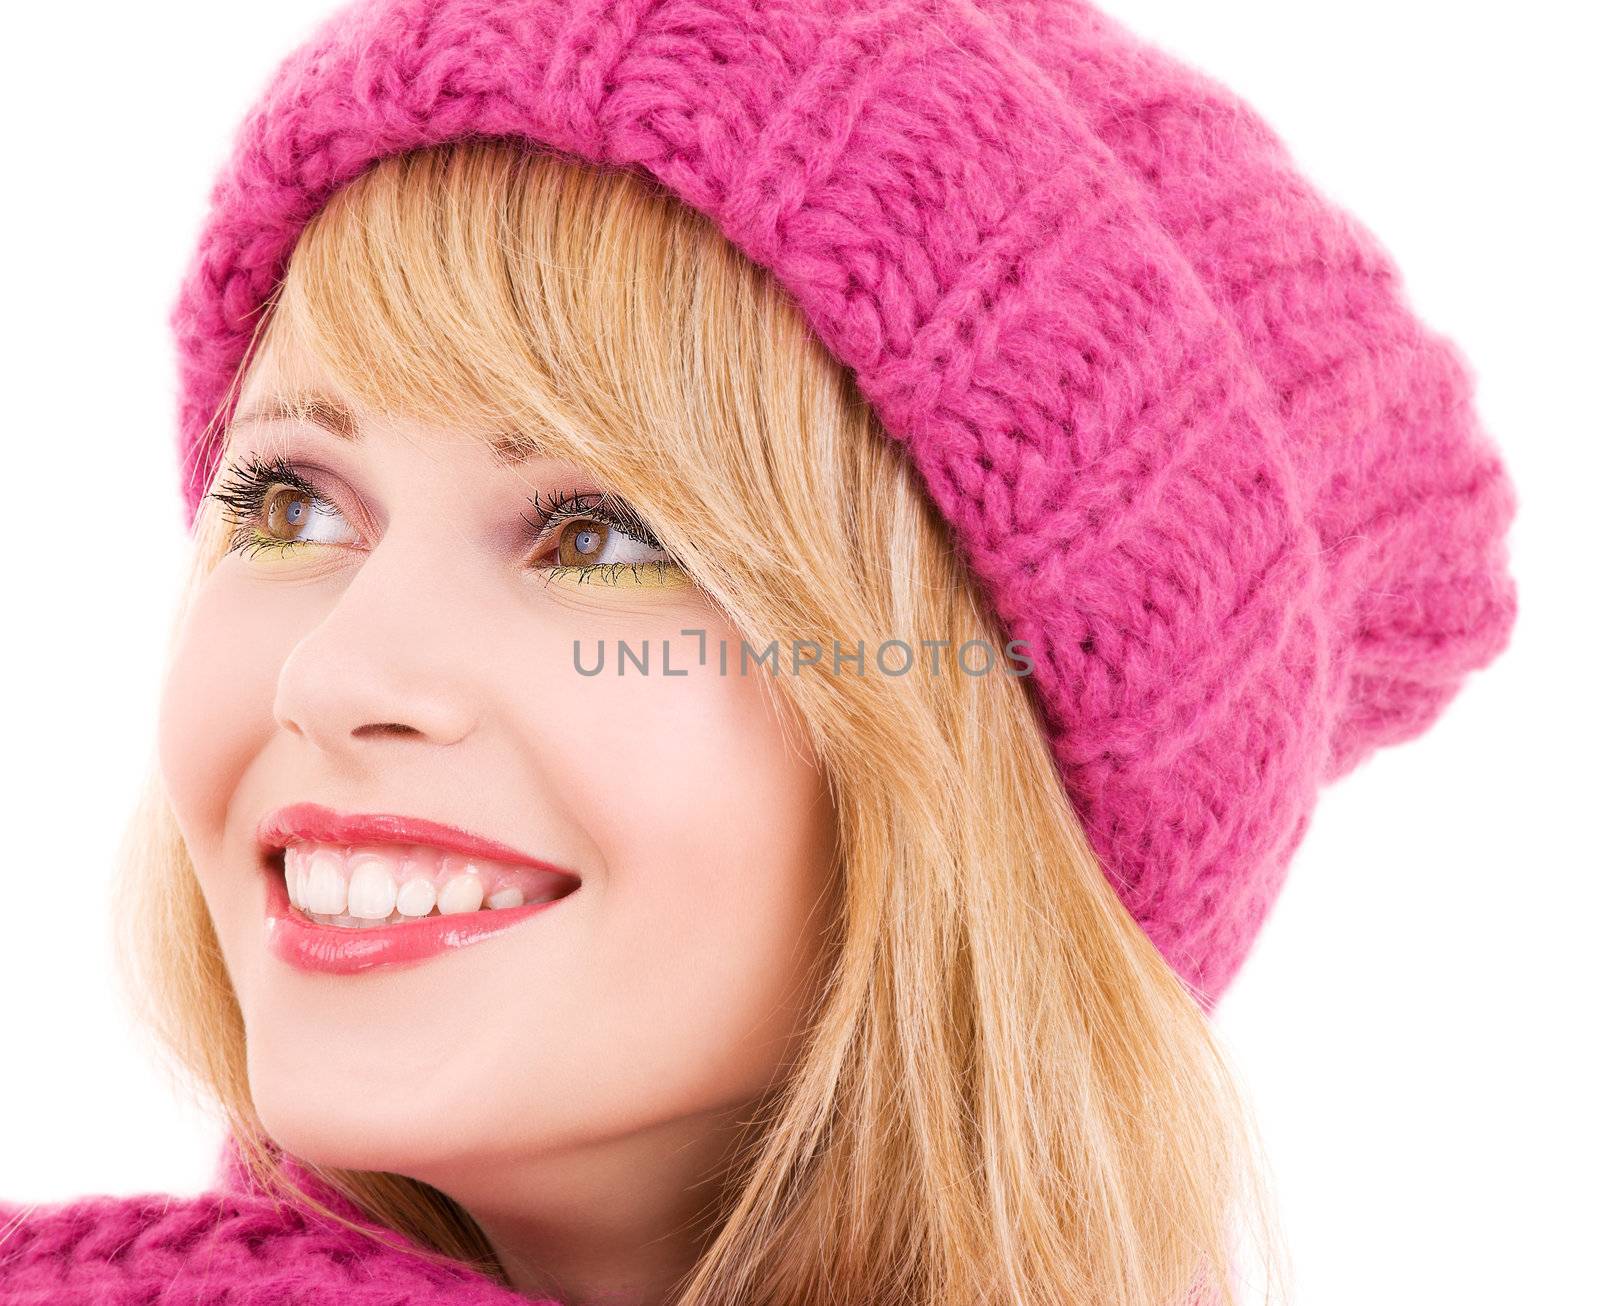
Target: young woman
point(772, 590)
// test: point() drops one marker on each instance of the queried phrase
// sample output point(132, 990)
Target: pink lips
point(301, 942)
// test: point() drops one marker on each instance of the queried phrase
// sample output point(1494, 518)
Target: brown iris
point(581, 543)
point(286, 510)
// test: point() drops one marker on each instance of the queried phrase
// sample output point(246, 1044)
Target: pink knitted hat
point(1198, 449)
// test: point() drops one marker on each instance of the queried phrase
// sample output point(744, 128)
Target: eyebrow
point(510, 447)
point(331, 415)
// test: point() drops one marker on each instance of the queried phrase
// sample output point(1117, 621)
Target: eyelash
point(243, 490)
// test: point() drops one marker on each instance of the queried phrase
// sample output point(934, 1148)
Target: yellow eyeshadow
point(628, 575)
point(265, 551)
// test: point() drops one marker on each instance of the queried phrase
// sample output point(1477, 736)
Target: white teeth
point(461, 893)
point(416, 897)
point(362, 887)
point(371, 889)
point(325, 885)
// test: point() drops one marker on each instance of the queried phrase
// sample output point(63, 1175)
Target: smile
point(349, 893)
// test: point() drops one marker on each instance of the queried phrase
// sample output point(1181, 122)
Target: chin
point(330, 1134)
point(361, 1121)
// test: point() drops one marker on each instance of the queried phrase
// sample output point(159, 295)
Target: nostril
point(380, 729)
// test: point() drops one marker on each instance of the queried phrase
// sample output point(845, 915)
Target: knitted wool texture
point(1198, 449)
point(232, 1243)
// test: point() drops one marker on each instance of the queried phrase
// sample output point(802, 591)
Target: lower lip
point(336, 950)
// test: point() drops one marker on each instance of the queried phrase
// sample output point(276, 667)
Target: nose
point(379, 665)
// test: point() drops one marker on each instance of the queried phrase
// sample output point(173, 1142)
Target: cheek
point(714, 829)
point(216, 707)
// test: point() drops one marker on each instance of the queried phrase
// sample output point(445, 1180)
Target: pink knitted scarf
point(232, 1243)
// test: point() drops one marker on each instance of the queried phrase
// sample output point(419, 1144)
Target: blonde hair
point(1007, 1094)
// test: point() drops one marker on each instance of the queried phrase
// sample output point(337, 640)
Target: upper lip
point(314, 823)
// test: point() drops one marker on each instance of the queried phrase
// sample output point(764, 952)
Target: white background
point(1416, 1026)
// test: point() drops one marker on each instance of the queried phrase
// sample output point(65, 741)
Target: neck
point(614, 1223)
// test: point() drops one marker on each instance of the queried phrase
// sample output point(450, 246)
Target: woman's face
point(415, 657)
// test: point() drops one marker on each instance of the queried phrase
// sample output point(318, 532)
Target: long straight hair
point(1006, 1095)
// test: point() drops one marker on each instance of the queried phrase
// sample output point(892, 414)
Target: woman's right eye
point(273, 506)
point(293, 516)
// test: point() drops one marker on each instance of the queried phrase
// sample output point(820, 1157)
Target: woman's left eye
point(598, 537)
point(581, 543)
